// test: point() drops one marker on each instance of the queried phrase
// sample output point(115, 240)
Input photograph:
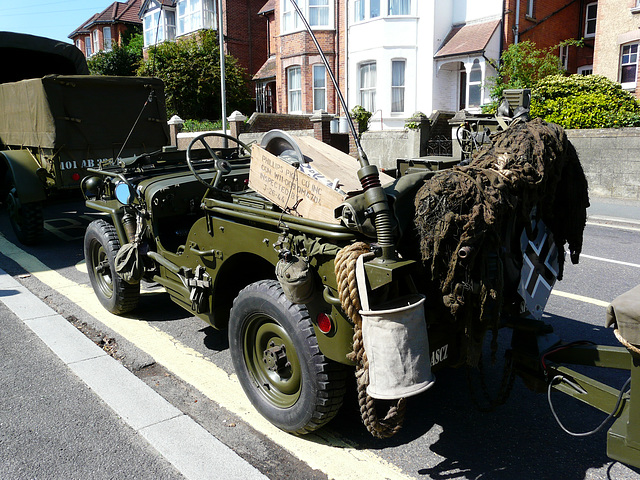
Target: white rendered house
point(407, 56)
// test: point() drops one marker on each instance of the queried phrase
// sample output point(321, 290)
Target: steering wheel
point(221, 167)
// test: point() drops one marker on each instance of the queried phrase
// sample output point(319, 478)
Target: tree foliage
point(523, 64)
point(121, 60)
point(584, 101)
point(190, 69)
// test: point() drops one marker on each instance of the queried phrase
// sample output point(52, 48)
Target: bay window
point(106, 38)
point(319, 88)
point(96, 41)
point(367, 86)
point(397, 85)
point(475, 85)
point(159, 26)
point(359, 10)
point(319, 13)
point(294, 89)
point(364, 9)
point(399, 7)
point(195, 15)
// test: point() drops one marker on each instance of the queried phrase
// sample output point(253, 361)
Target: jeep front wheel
point(101, 245)
point(277, 359)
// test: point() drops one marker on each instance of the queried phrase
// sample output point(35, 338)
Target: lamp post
point(223, 93)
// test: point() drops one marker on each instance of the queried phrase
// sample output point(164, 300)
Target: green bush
point(190, 69)
point(414, 121)
point(120, 60)
point(361, 116)
point(201, 125)
point(584, 101)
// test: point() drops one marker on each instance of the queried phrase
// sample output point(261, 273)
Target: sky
point(48, 18)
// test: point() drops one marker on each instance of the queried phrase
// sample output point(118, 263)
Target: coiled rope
point(345, 270)
point(625, 342)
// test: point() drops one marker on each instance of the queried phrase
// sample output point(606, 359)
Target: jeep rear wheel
point(277, 359)
point(101, 245)
point(26, 219)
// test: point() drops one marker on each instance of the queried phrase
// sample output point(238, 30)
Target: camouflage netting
point(478, 211)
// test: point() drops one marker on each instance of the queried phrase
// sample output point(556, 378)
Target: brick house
point(403, 56)
point(106, 28)
point(549, 22)
point(245, 31)
point(617, 41)
point(294, 79)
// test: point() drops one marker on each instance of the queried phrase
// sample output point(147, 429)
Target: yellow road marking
point(81, 266)
point(322, 451)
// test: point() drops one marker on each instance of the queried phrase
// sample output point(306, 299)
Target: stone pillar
point(322, 126)
point(236, 124)
point(175, 127)
point(424, 129)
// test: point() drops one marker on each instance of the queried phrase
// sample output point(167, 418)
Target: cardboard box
point(300, 194)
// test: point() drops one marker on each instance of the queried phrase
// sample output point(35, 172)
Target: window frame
point(399, 88)
point(563, 56)
point(87, 46)
point(370, 90)
point(530, 9)
point(359, 11)
point(166, 32)
point(629, 85)
point(475, 84)
point(295, 24)
point(362, 10)
point(585, 70)
point(205, 10)
point(400, 4)
point(318, 8)
point(95, 39)
point(314, 69)
point(291, 91)
point(588, 19)
point(107, 46)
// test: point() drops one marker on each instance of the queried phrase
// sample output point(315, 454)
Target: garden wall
point(611, 160)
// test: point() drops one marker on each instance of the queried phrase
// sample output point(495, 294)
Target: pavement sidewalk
point(614, 209)
point(69, 410)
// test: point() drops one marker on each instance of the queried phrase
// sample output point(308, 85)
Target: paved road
point(188, 363)
point(68, 410)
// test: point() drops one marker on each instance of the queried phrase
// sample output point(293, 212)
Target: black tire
point(101, 245)
point(276, 356)
point(26, 219)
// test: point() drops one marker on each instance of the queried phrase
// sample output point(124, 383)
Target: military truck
point(56, 120)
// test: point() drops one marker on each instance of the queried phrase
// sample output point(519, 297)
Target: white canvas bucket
point(396, 342)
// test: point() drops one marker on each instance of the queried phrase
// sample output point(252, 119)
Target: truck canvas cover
point(28, 56)
point(91, 114)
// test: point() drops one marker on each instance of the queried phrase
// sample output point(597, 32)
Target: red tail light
point(325, 324)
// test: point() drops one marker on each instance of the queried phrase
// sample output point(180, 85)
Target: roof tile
point(465, 39)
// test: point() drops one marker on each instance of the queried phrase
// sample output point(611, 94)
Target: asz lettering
point(439, 355)
point(73, 164)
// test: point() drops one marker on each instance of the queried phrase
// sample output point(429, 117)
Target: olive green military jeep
point(306, 301)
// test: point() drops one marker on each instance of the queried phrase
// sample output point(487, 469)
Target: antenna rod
point(362, 157)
